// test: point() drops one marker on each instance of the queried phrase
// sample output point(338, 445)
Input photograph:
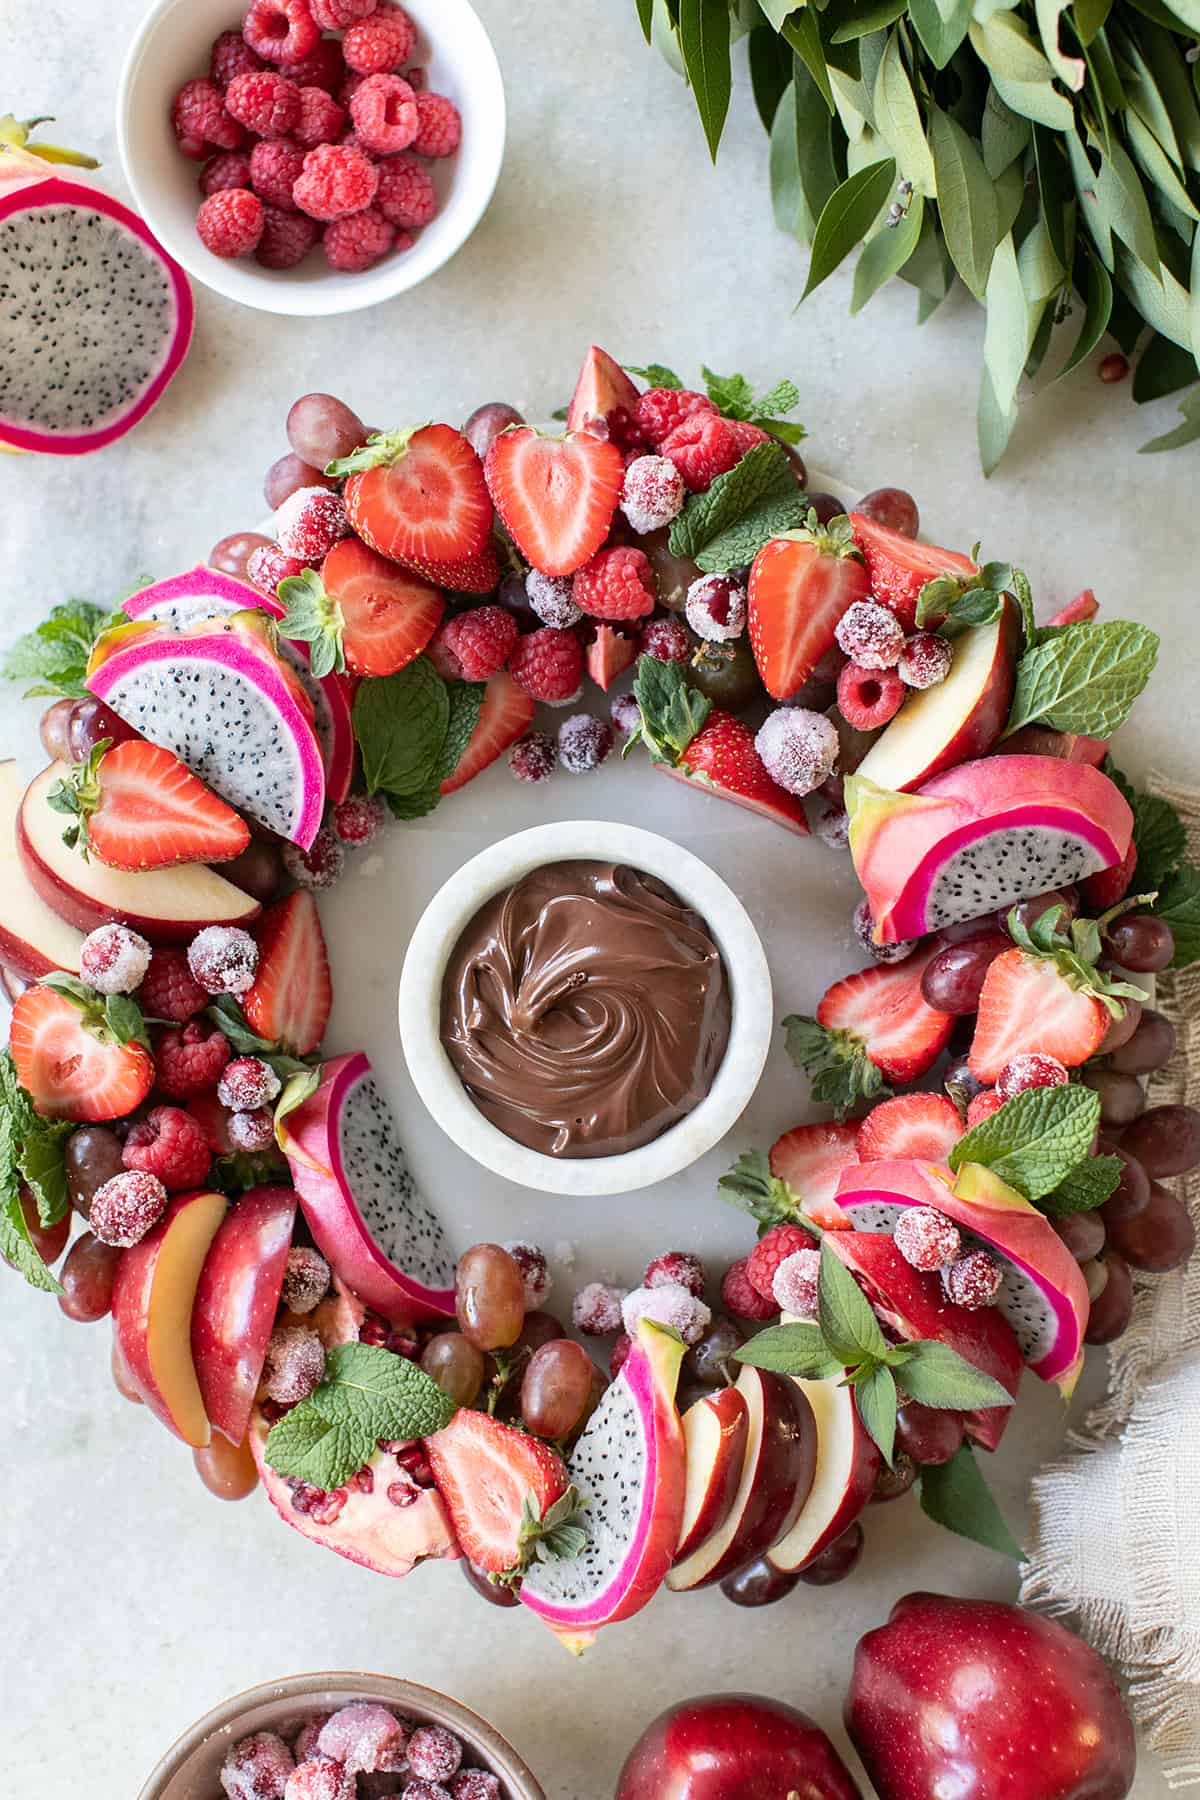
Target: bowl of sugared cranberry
point(311, 156)
point(341, 1737)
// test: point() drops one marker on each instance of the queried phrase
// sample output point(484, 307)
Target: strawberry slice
point(506, 715)
point(811, 1159)
point(69, 1061)
point(420, 498)
point(1027, 1006)
point(800, 585)
point(484, 1472)
point(137, 807)
point(1077, 611)
point(556, 495)
point(900, 566)
point(608, 655)
point(913, 1125)
point(870, 1027)
point(290, 1000)
point(380, 617)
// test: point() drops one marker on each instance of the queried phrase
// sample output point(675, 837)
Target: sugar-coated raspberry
point(275, 166)
point(771, 1249)
point(434, 1754)
point(230, 169)
point(660, 410)
point(247, 1081)
point(480, 641)
point(678, 1266)
point(974, 1280)
point(317, 867)
point(168, 1143)
point(280, 30)
point(626, 714)
point(199, 115)
point(550, 596)
point(871, 635)
point(231, 55)
point(323, 67)
point(548, 664)
point(983, 1106)
point(794, 1289)
point(652, 493)
point(223, 959)
point(264, 101)
point(229, 223)
point(583, 743)
point(832, 826)
point(251, 1130)
point(925, 660)
point(741, 1298)
point(189, 1058)
point(336, 179)
point(705, 445)
point(533, 758)
point(305, 1279)
point(475, 1784)
point(320, 1778)
point(864, 930)
point(618, 583)
point(321, 120)
point(1030, 1070)
point(439, 128)
point(596, 1309)
point(267, 566)
point(666, 640)
point(358, 820)
point(868, 698)
point(257, 1768)
point(380, 42)
point(618, 1356)
point(365, 1736)
point(356, 243)
point(798, 748)
point(384, 112)
point(126, 1207)
point(669, 1304)
point(926, 1238)
point(294, 1366)
point(406, 195)
point(531, 1260)
point(335, 15)
point(113, 959)
point(310, 522)
point(716, 608)
point(287, 237)
point(169, 989)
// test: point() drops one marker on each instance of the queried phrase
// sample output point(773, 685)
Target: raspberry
point(169, 989)
point(294, 1365)
point(358, 820)
point(475, 1784)
point(652, 493)
point(267, 566)
point(926, 1238)
point(189, 1058)
point(795, 1287)
point(321, 119)
point(356, 243)
point(596, 1309)
point(231, 169)
point(230, 222)
point(199, 116)
point(317, 867)
point(871, 635)
point(716, 608)
point(583, 743)
point(322, 67)
point(406, 195)
point(257, 1768)
point(660, 410)
point(740, 1298)
point(275, 166)
point(434, 1754)
point(439, 130)
point(286, 240)
point(365, 1736)
point(798, 748)
point(246, 1082)
point(305, 1279)
point(380, 42)
point(532, 1263)
point(336, 179)
point(925, 660)
point(253, 1130)
point(335, 15)
point(678, 1266)
point(868, 698)
point(127, 1206)
point(310, 522)
point(113, 959)
point(983, 1106)
point(1032, 1070)
point(479, 642)
point(617, 583)
point(771, 1249)
point(223, 959)
point(626, 714)
point(384, 111)
point(706, 445)
point(533, 759)
point(548, 664)
point(168, 1143)
point(321, 1778)
point(973, 1281)
point(231, 55)
point(550, 598)
point(264, 102)
point(280, 30)
point(863, 924)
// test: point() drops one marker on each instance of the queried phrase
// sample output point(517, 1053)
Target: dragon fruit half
point(983, 835)
point(630, 1465)
point(221, 700)
point(360, 1199)
point(185, 601)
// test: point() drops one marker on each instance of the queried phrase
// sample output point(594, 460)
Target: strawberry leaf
point(671, 711)
point(836, 1062)
point(955, 1494)
point(313, 617)
point(382, 447)
point(752, 1188)
point(558, 1535)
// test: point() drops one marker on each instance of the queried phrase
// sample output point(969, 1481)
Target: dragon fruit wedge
point(630, 1465)
point(219, 698)
point(360, 1199)
point(981, 836)
point(1044, 1296)
point(187, 600)
point(97, 317)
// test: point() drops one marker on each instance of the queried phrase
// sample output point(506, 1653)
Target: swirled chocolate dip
point(586, 1009)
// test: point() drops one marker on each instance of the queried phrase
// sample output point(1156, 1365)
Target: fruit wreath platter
point(316, 1291)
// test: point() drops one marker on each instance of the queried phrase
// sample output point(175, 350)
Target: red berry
point(652, 492)
point(310, 522)
point(247, 1082)
point(189, 1058)
point(168, 1143)
point(925, 660)
point(317, 867)
point(583, 743)
point(741, 1298)
point(265, 102)
point(252, 1130)
point(983, 1106)
point(974, 1280)
point(1113, 367)
point(358, 820)
point(126, 1207)
point(798, 748)
point(286, 240)
point(258, 1765)
point(268, 565)
point(1032, 1070)
point(666, 640)
point(476, 644)
point(321, 119)
point(439, 128)
point(384, 111)
point(716, 608)
point(113, 959)
point(596, 1309)
point(229, 170)
point(617, 583)
point(680, 1267)
point(306, 1279)
point(199, 115)
point(660, 410)
point(231, 55)
point(926, 1238)
point(335, 15)
point(275, 167)
point(705, 445)
point(337, 179)
point(406, 195)
point(169, 989)
point(871, 635)
point(323, 67)
point(223, 959)
point(797, 1283)
point(380, 42)
point(774, 1247)
point(434, 1754)
point(230, 223)
point(321, 1778)
point(549, 596)
point(868, 698)
point(548, 664)
point(356, 243)
point(534, 758)
point(280, 30)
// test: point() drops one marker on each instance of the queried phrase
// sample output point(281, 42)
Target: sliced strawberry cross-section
point(869, 1028)
point(800, 585)
point(506, 715)
point(900, 566)
point(137, 807)
point(484, 1472)
point(361, 613)
point(556, 496)
point(71, 1063)
point(290, 1000)
point(420, 498)
point(810, 1158)
point(1028, 1006)
point(923, 1126)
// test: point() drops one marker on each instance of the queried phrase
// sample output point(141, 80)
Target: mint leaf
point(313, 617)
point(400, 722)
point(763, 474)
point(1178, 904)
point(742, 541)
point(366, 1394)
point(416, 805)
point(839, 1070)
point(55, 654)
point(848, 1326)
point(656, 374)
point(751, 1186)
point(19, 1128)
point(1084, 1187)
point(1158, 831)
point(1085, 678)
point(936, 1375)
point(875, 1401)
point(1035, 1139)
point(955, 1495)
point(732, 394)
point(466, 702)
point(672, 712)
point(791, 1350)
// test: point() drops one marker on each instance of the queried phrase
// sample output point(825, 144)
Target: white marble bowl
point(498, 867)
point(172, 45)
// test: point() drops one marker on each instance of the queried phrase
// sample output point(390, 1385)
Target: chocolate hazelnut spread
point(586, 1009)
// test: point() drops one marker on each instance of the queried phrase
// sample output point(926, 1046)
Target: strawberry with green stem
point(801, 583)
point(506, 1492)
point(419, 497)
point(361, 613)
point(135, 806)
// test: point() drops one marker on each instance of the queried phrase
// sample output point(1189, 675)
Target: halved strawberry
point(387, 615)
point(506, 715)
point(556, 495)
point(1028, 1006)
point(912, 1125)
point(608, 655)
point(292, 993)
point(484, 1472)
point(71, 1064)
point(900, 566)
point(420, 498)
point(811, 1159)
point(800, 585)
point(870, 1027)
point(137, 807)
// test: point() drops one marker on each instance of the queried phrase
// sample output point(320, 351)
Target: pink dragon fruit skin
point(983, 835)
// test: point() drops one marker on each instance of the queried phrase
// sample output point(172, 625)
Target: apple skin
point(33, 939)
point(988, 1702)
point(847, 1463)
point(734, 1747)
point(236, 1298)
point(725, 1412)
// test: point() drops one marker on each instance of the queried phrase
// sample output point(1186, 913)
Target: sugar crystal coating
point(670, 1305)
point(113, 959)
point(798, 748)
point(926, 1238)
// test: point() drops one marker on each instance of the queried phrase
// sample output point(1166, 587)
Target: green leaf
point(657, 374)
point(366, 1393)
point(792, 1350)
point(848, 1326)
point(941, 26)
point(819, 170)
point(742, 541)
point(645, 13)
point(55, 654)
point(466, 702)
point(898, 119)
point(966, 200)
point(875, 1401)
point(704, 44)
point(17, 1248)
point(1158, 832)
point(955, 1494)
point(1154, 162)
point(313, 617)
point(752, 1188)
point(672, 712)
point(1086, 1186)
point(1185, 433)
point(1089, 16)
point(886, 253)
point(867, 18)
point(1069, 69)
point(1035, 1139)
point(1085, 678)
point(846, 218)
point(993, 423)
point(840, 1071)
point(936, 1375)
point(400, 722)
point(1004, 134)
point(788, 204)
point(415, 805)
point(1007, 335)
point(770, 72)
point(1163, 368)
point(802, 33)
point(1096, 316)
point(1178, 904)
point(1057, 193)
point(40, 1160)
point(764, 474)
point(123, 1017)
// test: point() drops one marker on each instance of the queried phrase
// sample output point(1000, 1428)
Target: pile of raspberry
point(314, 126)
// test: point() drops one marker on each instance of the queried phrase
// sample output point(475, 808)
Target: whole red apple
point(734, 1747)
point(974, 1700)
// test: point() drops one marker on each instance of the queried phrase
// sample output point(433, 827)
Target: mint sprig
point(734, 397)
point(1034, 1141)
point(31, 1152)
point(1084, 677)
point(1178, 905)
point(367, 1393)
point(54, 655)
point(955, 1495)
point(836, 1061)
point(401, 723)
point(744, 507)
point(657, 374)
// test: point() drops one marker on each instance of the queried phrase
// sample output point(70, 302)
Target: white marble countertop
point(133, 1601)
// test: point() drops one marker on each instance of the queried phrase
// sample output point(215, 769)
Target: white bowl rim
point(497, 867)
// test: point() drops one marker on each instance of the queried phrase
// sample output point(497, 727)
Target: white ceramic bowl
point(172, 45)
point(496, 868)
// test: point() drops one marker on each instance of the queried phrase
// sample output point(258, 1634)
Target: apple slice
point(153, 1294)
point(776, 1476)
point(715, 1429)
point(236, 1300)
point(168, 906)
point(33, 939)
point(959, 719)
point(847, 1464)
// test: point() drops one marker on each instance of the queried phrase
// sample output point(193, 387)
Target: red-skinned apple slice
point(33, 938)
point(847, 1464)
point(153, 1294)
point(715, 1429)
point(236, 1299)
point(168, 906)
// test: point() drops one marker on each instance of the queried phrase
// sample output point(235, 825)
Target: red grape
point(1121, 1096)
point(837, 1560)
point(487, 422)
point(1140, 942)
point(826, 507)
point(320, 429)
point(91, 1156)
point(227, 1470)
point(48, 1240)
point(231, 554)
point(90, 723)
point(87, 1279)
point(258, 870)
point(893, 508)
point(953, 980)
point(928, 1434)
point(1165, 1140)
point(1030, 911)
point(496, 1593)
point(710, 1359)
point(555, 1388)
point(540, 1328)
point(288, 474)
point(1150, 1045)
point(1132, 1190)
point(758, 1584)
point(1121, 1030)
point(1083, 1233)
point(891, 1483)
point(455, 1363)
point(1159, 1237)
point(489, 1297)
point(53, 727)
point(1112, 1301)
